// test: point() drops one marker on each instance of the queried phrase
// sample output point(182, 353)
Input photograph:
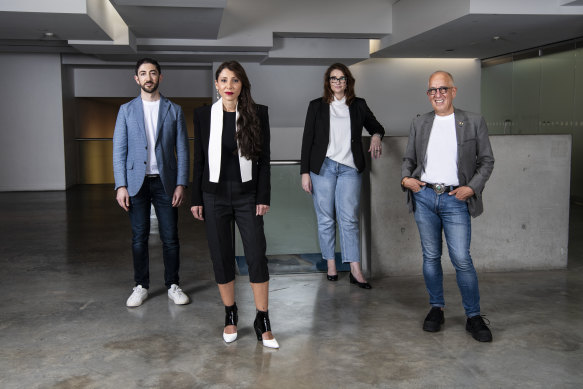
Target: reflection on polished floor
point(67, 273)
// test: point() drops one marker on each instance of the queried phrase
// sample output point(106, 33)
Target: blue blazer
point(130, 146)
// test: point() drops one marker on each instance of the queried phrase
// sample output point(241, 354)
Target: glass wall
point(540, 95)
point(291, 228)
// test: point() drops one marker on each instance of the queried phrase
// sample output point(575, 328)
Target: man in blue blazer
point(150, 165)
point(445, 168)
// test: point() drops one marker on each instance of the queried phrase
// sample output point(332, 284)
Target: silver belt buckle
point(439, 188)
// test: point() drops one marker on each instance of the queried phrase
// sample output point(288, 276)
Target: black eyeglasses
point(442, 89)
point(337, 80)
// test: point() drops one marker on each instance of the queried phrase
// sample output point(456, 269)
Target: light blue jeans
point(336, 194)
point(436, 213)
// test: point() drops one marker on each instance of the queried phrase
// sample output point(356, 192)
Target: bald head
point(443, 73)
point(441, 91)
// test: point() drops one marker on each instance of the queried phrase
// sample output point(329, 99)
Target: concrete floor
point(67, 273)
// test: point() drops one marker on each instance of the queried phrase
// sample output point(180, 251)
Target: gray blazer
point(475, 160)
point(130, 153)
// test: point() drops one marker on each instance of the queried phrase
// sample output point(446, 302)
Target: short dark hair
point(148, 60)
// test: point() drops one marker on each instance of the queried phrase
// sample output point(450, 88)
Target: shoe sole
point(138, 305)
point(134, 306)
point(174, 301)
point(431, 327)
point(483, 340)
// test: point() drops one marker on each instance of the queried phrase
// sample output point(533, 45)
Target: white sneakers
point(137, 297)
point(177, 295)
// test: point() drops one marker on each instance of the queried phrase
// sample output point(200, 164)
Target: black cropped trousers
point(231, 203)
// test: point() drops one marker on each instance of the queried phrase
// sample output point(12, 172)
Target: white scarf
point(216, 145)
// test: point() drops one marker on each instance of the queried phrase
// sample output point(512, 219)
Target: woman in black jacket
point(231, 181)
point(332, 163)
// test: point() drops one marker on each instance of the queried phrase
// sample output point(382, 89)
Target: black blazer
point(261, 173)
point(317, 133)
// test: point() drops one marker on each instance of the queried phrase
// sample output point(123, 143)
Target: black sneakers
point(478, 328)
point(433, 320)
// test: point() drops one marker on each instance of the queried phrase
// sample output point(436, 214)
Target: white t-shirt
point(339, 146)
point(151, 109)
point(441, 156)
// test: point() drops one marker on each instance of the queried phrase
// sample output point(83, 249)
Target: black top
point(230, 169)
point(260, 183)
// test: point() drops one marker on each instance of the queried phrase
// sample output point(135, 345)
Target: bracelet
point(403, 181)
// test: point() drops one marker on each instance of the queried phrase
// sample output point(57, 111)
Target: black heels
point(332, 278)
point(261, 325)
point(363, 285)
point(231, 319)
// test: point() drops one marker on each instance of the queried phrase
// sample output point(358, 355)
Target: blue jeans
point(336, 194)
point(152, 192)
point(436, 213)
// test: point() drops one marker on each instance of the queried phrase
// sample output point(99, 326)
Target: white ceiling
point(283, 31)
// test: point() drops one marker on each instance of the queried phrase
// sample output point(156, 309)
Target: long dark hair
point(348, 93)
point(248, 134)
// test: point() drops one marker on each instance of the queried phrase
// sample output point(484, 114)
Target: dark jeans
point(152, 192)
point(230, 203)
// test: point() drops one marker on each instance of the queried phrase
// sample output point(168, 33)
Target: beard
point(151, 88)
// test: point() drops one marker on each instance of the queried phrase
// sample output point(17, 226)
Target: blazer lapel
point(325, 115)
point(162, 112)
point(460, 122)
point(353, 120)
point(139, 112)
point(425, 133)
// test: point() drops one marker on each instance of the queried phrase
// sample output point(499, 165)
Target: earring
point(218, 96)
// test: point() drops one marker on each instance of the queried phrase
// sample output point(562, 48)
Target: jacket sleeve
point(120, 149)
point(198, 165)
point(182, 150)
point(371, 123)
point(308, 137)
point(484, 159)
point(264, 162)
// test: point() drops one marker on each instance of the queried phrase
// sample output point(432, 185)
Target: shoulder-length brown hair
point(248, 134)
point(348, 93)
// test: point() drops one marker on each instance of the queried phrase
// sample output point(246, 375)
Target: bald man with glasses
point(445, 168)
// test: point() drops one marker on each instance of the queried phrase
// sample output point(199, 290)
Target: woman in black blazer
point(231, 181)
point(332, 163)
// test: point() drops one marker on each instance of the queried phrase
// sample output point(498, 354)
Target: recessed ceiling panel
point(172, 22)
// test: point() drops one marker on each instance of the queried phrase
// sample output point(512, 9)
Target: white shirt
point(339, 145)
point(441, 156)
point(151, 109)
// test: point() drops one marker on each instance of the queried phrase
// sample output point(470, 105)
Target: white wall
point(69, 121)
point(32, 152)
point(119, 82)
point(394, 88)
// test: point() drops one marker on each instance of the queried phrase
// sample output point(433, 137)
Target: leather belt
point(441, 188)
